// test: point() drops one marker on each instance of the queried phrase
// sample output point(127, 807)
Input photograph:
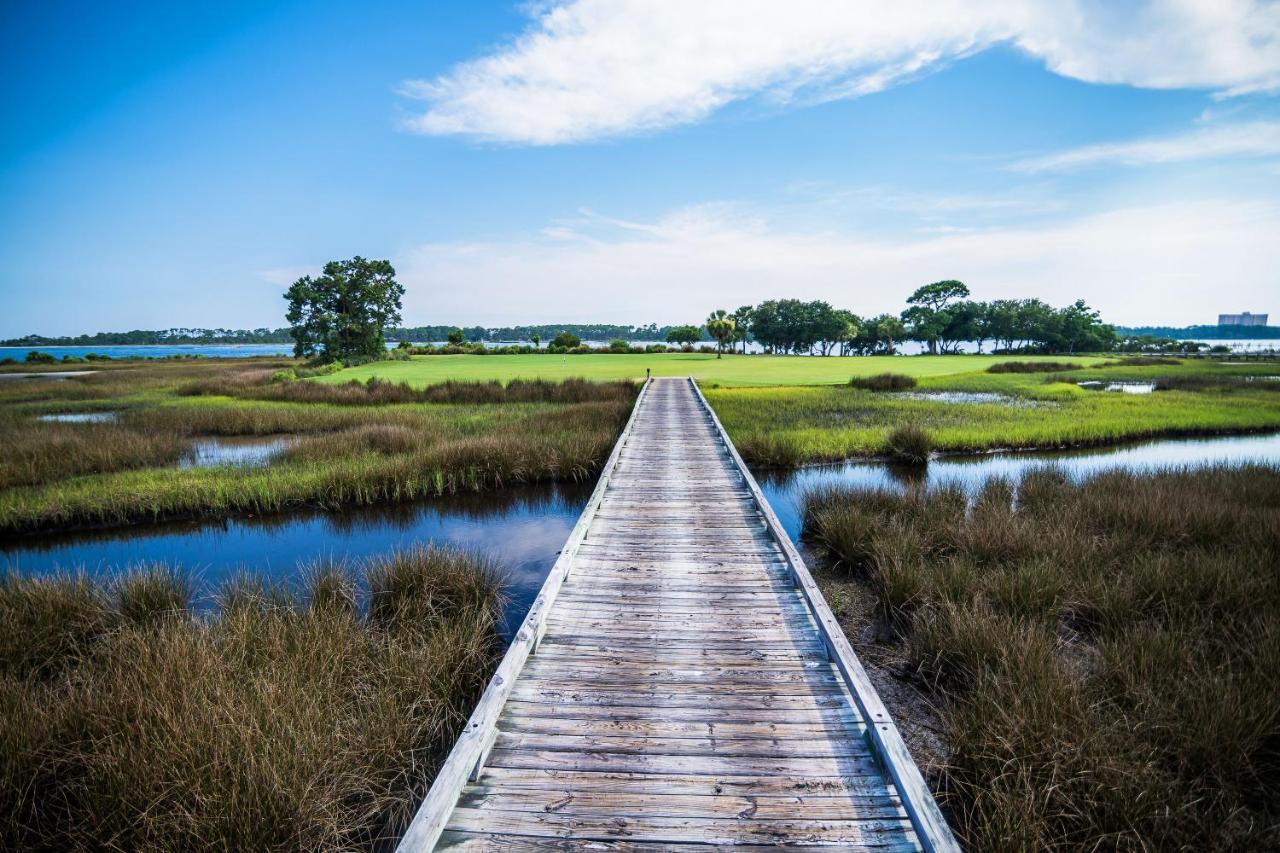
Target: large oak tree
point(345, 312)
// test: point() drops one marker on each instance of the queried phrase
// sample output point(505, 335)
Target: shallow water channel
point(524, 528)
point(785, 490)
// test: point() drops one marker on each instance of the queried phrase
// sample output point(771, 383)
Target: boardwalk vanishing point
point(679, 681)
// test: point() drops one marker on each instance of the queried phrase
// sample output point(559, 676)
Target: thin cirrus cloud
point(589, 69)
point(1247, 139)
point(678, 267)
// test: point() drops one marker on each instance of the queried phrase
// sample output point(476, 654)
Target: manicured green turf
point(732, 370)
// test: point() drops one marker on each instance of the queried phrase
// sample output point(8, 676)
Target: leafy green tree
point(742, 326)
point(721, 327)
point(927, 315)
point(851, 325)
point(457, 337)
point(888, 329)
point(684, 335)
point(535, 340)
point(566, 340)
point(620, 345)
point(346, 311)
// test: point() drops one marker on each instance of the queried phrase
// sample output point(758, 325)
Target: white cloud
point(1175, 263)
point(1246, 139)
point(585, 69)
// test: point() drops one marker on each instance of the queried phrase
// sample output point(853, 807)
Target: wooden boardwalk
point(679, 681)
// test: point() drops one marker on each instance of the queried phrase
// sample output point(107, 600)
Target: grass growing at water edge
point(291, 720)
point(979, 411)
point(1107, 653)
point(347, 444)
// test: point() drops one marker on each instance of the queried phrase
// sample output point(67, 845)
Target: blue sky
point(175, 165)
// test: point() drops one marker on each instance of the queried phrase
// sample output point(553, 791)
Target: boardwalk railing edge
point(930, 824)
point(472, 747)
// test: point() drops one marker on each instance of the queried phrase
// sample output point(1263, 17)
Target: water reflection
point(81, 418)
point(240, 451)
point(1122, 387)
point(785, 489)
point(522, 528)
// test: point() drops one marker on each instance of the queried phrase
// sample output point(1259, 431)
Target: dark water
point(785, 489)
point(523, 529)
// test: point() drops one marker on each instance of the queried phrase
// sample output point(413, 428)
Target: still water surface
point(524, 528)
point(785, 490)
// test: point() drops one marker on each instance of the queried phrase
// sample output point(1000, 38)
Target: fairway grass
point(730, 371)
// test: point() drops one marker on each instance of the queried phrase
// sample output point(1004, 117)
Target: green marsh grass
point(1106, 654)
point(909, 443)
point(461, 437)
point(1031, 367)
point(794, 425)
point(884, 382)
point(289, 720)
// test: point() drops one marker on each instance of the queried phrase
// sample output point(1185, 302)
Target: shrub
point(909, 443)
point(72, 359)
point(566, 340)
point(286, 375)
point(884, 382)
point(1032, 367)
point(620, 345)
point(37, 357)
point(398, 354)
point(656, 348)
point(8, 359)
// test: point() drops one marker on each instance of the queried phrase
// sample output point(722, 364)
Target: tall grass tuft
point(287, 721)
point(1107, 652)
point(909, 443)
point(884, 382)
point(1032, 367)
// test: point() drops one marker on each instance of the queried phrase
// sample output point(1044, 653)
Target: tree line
point(940, 315)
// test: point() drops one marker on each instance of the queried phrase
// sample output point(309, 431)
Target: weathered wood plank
point(683, 691)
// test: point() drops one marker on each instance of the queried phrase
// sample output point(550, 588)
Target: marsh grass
point(1107, 652)
point(291, 720)
point(379, 392)
point(1031, 367)
point(786, 426)
point(910, 444)
point(471, 437)
point(42, 451)
point(884, 382)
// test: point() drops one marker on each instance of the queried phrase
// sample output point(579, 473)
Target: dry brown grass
point(289, 721)
point(1107, 653)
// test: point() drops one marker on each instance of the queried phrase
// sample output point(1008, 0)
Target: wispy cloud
point(1248, 139)
point(285, 276)
point(585, 69)
point(1169, 262)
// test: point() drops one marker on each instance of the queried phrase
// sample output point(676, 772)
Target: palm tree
point(721, 327)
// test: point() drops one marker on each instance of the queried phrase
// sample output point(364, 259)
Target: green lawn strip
point(732, 370)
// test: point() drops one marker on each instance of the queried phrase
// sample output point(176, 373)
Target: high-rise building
point(1244, 319)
